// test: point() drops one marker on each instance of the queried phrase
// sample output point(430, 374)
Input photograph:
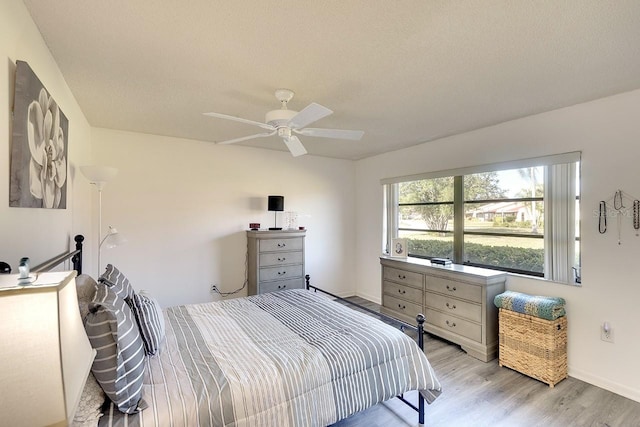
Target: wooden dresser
point(276, 260)
point(457, 301)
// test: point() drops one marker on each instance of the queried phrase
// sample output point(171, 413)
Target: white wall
point(185, 206)
point(38, 233)
point(607, 131)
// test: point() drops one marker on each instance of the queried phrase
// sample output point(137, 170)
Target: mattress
point(290, 358)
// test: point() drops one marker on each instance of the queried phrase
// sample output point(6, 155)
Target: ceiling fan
point(284, 121)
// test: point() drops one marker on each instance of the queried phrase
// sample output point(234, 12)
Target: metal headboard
point(74, 255)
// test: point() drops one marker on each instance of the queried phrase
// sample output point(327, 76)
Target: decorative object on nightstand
point(25, 277)
point(276, 260)
point(276, 204)
point(47, 355)
point(290, 220)
point(5, 268)
point(254, 226)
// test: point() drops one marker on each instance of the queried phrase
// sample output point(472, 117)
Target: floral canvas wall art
point(38, 147)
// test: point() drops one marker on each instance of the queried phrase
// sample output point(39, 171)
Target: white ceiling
point(405, 72)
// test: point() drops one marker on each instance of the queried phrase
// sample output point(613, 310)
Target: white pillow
point(86, 289)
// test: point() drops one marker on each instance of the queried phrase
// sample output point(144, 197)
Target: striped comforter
point(290, 358)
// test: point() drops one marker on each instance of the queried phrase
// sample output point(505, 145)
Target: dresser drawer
point(402, 291)
point(280, 273)
point(281, 285)
point(273, 245)
point(401, 306)
point(454, 325)
point(454, 289)
point(454, 306)
point(405, 277)
point(275, 260)
point(280, 258)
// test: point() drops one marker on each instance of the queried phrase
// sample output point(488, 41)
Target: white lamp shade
point(98, 174)
point(46, 355)
point(113, 239)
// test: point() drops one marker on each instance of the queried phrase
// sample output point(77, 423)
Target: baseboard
point(372, 298)
point(622, 390)
point(344, 294)
point(338, 294)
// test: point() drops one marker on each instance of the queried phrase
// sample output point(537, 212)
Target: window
point(520, 217)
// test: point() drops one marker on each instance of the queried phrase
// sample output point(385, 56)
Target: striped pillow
point(117, 281)
point(120, 362)
point(148, 314)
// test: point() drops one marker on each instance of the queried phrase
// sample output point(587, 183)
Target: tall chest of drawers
point(276, 260)
point(457, 301)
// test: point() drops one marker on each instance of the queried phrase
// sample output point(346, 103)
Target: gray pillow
point(120, 361)
point(117, 281)
point(150, 320)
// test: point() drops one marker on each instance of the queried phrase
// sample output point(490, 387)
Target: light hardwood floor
point(484, 394)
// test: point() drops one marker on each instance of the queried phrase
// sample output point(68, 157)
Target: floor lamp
point(99, 176)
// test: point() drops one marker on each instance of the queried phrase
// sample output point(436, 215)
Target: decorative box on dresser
point(456, 300)
point(276, 260)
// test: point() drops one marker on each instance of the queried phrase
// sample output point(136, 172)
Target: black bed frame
point(76, 260)
point(403, 325)
point(75, 256)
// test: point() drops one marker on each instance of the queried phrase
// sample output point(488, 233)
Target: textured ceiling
point(405, 72)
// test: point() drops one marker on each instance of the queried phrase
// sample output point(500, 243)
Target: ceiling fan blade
point(308, 115)
point(239, 119)
point(331, 133)
point(244, 138)
point(295, 146)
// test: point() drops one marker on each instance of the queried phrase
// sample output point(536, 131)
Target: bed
point(288, 358)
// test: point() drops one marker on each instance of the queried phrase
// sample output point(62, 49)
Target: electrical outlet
point(606, 332)
point(214, 288)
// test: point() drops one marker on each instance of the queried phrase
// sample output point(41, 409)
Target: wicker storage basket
point(533, 346)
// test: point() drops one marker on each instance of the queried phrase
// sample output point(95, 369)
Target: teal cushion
point(549, 308)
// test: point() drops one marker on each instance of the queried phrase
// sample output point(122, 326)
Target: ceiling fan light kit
point(279, 117)
point(284, 121)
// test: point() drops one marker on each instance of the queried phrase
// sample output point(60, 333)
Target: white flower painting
point(39, 145)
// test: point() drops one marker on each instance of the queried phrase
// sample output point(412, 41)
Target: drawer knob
point(451, 324)
point(402, 276)
point(451, 306)
point(280, 273)
point(282, 259)
point(402, 307)
point(282, 245)
point(400, 291)
point(451, 288)
point(282, 286)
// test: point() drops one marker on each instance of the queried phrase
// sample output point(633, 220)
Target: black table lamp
point(276, 204)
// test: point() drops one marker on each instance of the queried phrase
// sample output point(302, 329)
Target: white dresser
point(457, 301)
point(276, 260)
